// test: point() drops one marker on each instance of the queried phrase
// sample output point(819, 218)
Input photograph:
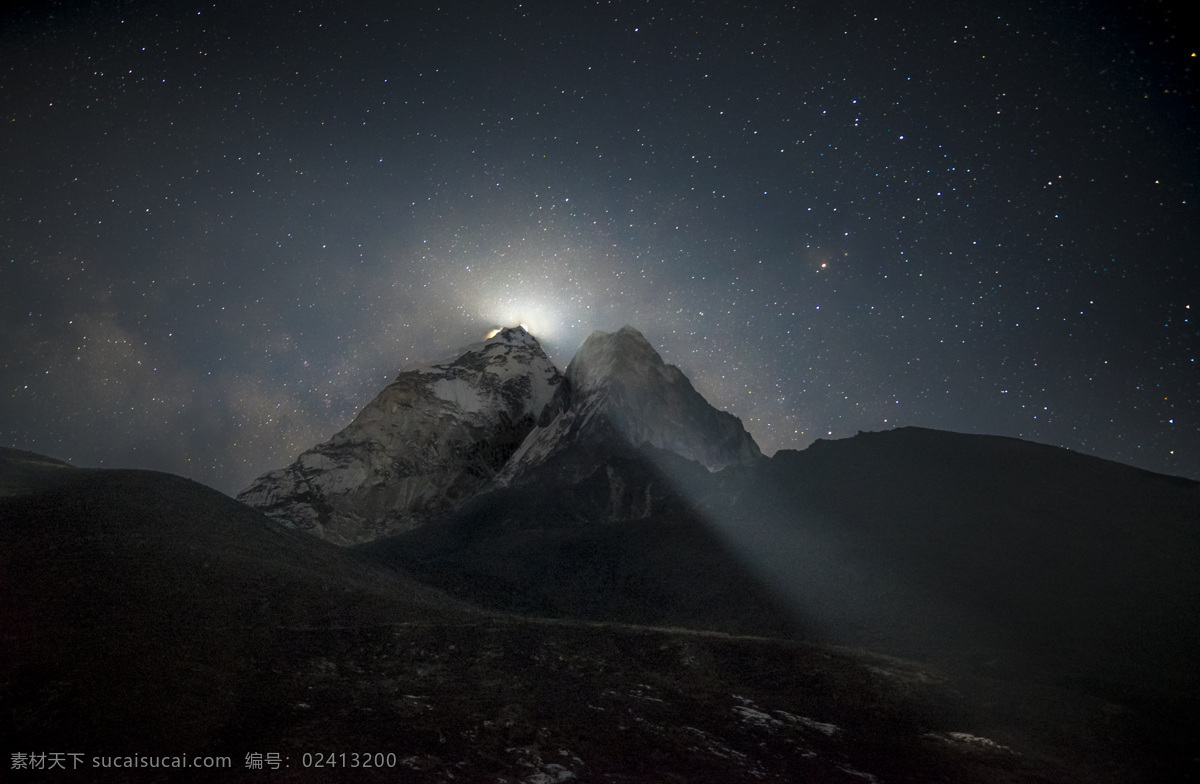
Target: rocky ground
point(509, 699)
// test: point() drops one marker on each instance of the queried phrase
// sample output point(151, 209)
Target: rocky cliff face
point(425, 444)
point(618, 393)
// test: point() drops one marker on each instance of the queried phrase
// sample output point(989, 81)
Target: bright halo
point(496, 331)
point(535, 318)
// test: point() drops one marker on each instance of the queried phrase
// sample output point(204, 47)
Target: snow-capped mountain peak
point(509, 354)
point(425, 444)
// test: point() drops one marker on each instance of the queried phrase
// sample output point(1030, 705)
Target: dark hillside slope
point(140, 605)
point(1062, 556)
point(605, 531)
point(1070, 584)
point(975, 550)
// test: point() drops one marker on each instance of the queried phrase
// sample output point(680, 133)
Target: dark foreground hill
point(139, 605)
point(1019, 549)
point(1061, 579)
point(146, 616)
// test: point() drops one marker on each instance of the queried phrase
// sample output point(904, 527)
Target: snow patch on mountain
point(461, 393)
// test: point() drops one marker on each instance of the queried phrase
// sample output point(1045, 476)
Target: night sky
point(225, 227)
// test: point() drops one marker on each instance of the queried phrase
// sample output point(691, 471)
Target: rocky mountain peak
point(618, 387)
point(425, 444)
point(624, 355)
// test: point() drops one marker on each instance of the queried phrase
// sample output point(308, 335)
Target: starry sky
point(224, 227)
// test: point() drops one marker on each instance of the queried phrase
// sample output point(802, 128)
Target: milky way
point(227, 226)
